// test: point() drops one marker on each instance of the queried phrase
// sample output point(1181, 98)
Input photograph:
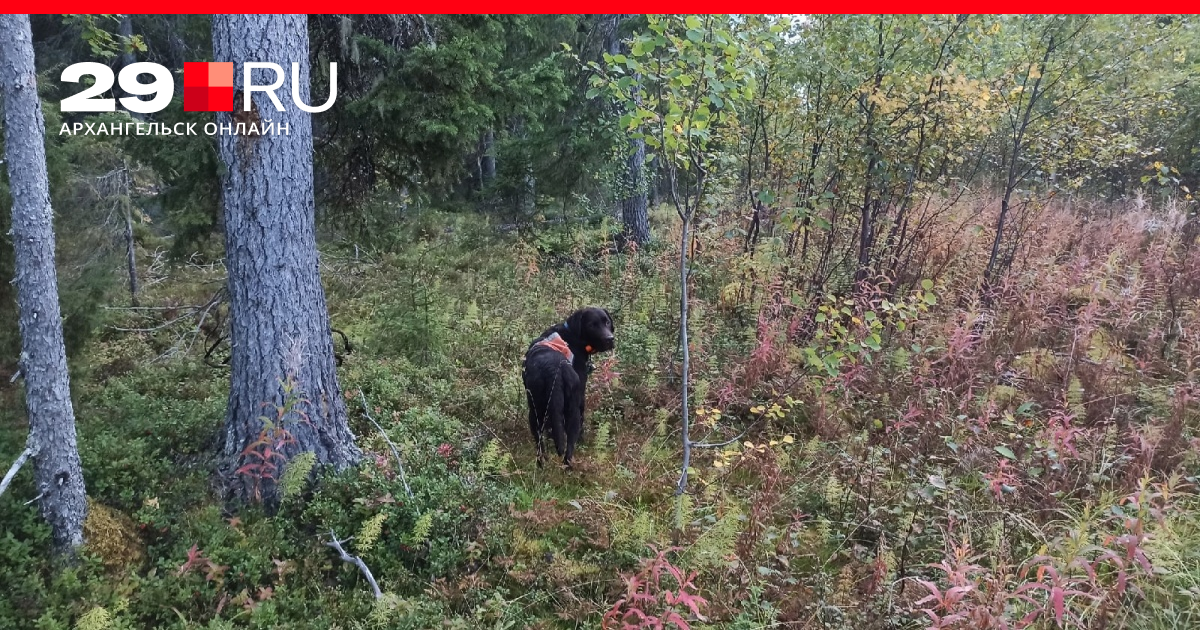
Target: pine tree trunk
point(125, 31)
point(633, 206)
point(279, 323)
point(56, 469)
point(130, 252)
point(633, 193)
point(488, 159)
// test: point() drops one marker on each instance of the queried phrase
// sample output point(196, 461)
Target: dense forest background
point(943, 368)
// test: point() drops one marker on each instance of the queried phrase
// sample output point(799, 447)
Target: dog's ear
point(574, 322)
point(612, 320)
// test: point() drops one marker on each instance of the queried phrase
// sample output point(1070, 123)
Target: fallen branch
point(395, 451)
point(355, 560)
point(12, 472)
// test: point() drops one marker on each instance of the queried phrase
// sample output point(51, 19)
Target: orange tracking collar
point(587, 348)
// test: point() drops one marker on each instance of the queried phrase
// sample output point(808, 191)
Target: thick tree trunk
point(633, 206)
point(279, 323)
point(57, 473)
point(633, 193)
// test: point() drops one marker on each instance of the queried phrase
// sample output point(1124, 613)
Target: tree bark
point(130, 252)
point(58, 476)
point(995, 267)
point(279, 322)
point(633, 206)
point(487, 159)
point(125, 31)
point(633, 193)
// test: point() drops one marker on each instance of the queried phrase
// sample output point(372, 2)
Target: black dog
point(556, 373)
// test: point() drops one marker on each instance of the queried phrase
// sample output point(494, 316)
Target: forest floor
point(913, 460)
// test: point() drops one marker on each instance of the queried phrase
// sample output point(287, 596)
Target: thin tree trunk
point(125, 31)
point(994, 269)
point(279, 323)
point(681, 486)
point(58, 476)
point(488, 158)
point(130, 244)
point(866, 235)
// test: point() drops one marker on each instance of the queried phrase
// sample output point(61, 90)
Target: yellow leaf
point(787, 439)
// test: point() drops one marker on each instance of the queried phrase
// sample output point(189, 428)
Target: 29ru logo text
point(207, 87)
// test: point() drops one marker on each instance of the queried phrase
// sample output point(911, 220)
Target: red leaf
point(674, 618)
point(193, 558)
point(693, 602)
point(1057, 600)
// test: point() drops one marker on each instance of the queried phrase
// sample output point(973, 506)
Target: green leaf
point(927, 284)
point(1006, 452)
point(693, 22)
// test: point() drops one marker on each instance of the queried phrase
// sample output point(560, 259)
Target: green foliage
point(680, 82)
point(94, 30)
point(420, 530)
point(370, 532)
point(296, 473)
point(889, 431)
point(716, 542)
point(97, 618)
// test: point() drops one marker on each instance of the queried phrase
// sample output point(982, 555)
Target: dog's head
point(594, 327)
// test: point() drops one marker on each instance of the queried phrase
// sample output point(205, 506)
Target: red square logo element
point(208, 86)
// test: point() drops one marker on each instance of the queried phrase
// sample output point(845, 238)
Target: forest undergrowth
point(907, 453)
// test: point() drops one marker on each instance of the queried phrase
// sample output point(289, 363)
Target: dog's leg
point(574, 430)
point(556, 411)
point(582, 409)
point(536, 428)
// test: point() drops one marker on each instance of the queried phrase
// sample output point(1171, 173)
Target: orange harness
point(558, 344)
